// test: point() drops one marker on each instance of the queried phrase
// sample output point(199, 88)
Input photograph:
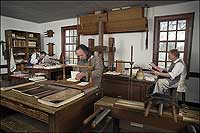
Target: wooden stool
point(161, 100)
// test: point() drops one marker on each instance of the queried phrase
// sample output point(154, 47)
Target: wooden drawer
point(34, 113)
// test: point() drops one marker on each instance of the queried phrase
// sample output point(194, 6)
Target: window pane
point(181, 24)
point(67, 56)
point(161, 56)
point(171, 45)
point(168, 57)
point(161, 64)
point(72, 40)
point(71, 32)
point(172, 35)
point(163, 36)
point(180, 35)
point(172, 25)
point(180, 46)
point(75, 32)
point(71, 61)
point(75, 40)
point(71, 47)
point(67, 33)
point(71, 55)
point(168, 64)
point(67, 40)
point(68, 48)
point(75, 61)
point(181, 55)
point(162, 46)
point(163, 26)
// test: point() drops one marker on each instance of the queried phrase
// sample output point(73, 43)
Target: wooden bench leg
point(160, 109)
point(147, 109)
point(174, 113)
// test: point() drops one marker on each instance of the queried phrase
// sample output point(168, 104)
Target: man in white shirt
point(172, 76)
point(37, 58)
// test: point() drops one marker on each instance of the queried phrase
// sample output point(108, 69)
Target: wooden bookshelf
point(21, 44)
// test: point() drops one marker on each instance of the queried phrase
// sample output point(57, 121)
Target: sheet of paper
point(83, 83)
point(72, 80)
point(112, 73)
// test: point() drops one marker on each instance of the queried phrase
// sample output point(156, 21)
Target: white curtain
point(12, 61)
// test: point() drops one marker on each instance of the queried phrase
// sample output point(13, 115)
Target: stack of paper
point(37, 78)
point(83, 83)
point(72, 80)
point(112, 73)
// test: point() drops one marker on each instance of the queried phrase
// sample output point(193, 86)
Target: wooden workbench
point(129, 116)
point(120, 86)
point(52, 73)
point(23, 113)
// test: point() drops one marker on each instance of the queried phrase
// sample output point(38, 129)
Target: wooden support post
point(101, 32)
point(111, 53)
point(174, 113)
point(91, 45)
point(161, 109)
point(147, 109)
point(63, 65)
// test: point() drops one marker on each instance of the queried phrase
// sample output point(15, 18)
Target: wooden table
point(120, 86)
point(21, 112)
point(53, 73)
point(129, 116)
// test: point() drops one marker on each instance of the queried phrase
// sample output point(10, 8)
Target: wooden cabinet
point(21, 45)
point(122, 87)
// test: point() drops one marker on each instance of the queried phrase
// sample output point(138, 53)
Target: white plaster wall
point(123, 43)
point(16, 24)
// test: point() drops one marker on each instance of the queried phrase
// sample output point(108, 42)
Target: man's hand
point(80, 75)
point(161, 74)
point(155, 67)
point(156, 73)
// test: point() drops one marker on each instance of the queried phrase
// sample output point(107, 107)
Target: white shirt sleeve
point(33, 59)
point(177, 70)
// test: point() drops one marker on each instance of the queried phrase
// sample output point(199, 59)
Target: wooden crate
point(126, 14)
point(127, 25)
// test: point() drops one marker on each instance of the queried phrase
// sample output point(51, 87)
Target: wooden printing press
point(54, 106)
point(120, 115)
